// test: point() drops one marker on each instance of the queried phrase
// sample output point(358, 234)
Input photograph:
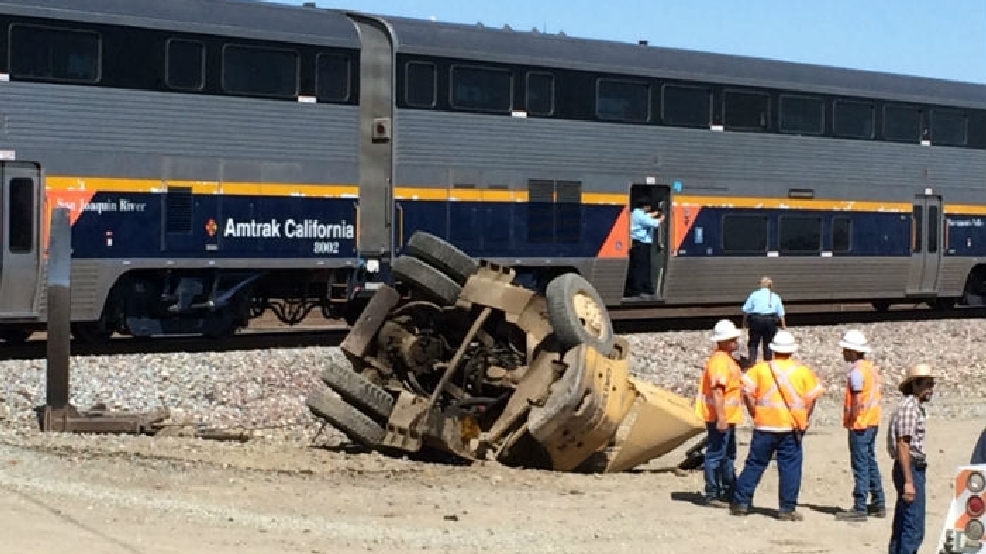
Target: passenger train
point(221, 158)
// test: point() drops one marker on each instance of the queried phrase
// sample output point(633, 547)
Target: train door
point(660, 199)
point(926, 244)
point(375, 233)
point(20, 203)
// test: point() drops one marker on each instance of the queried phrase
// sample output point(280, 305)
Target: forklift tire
point(353, 423)
point(578, 314)
point(442, 255)
point(427, 280)
point(359, 391)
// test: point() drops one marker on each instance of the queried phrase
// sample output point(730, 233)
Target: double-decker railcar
point(840, 184)
point(226, 157)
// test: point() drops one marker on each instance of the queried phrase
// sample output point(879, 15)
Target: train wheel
point(91, 333)
point(440, 254)
point(359, 391)
point(578, 314)
point(427, 280)
point(15, 336)
point(347, 419)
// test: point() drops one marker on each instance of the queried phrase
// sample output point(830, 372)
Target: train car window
point(482, 89)
point(901, 123)
point(568, 212)
point(254, 71)
point(332, 78)
point(185, 64)
point(802, 115)
point(746, 110)
point(933, 224)
point(686, 106)
point(853, 119)
point(744, 234)
point(800, 234)
point(841, 234)
point(50, 54)
point(540, 211)
point(20, 214)
point(917, 224)
point(540, 93)
point(619, 100)
point(420, 84)
point(949, 127)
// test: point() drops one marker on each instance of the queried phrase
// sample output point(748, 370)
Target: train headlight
point(974, 530)
point(372, 266)
point(975, 506)
point(975, 482)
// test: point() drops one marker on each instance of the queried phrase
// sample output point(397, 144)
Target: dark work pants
point(720, 462)
point(908, 528)
point(762, 328)
point(865, 469)
point(764, 445)
point(640, 275)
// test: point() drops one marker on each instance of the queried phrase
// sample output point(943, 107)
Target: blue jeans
point(789, 458)
point(908, 528)
point(865, 469)
point(720, 462)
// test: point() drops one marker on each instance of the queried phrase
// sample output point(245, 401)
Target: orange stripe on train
point(682, 220)
point(74, 200)
point(617, 242)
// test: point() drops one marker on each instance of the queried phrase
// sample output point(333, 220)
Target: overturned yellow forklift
point(460, 361)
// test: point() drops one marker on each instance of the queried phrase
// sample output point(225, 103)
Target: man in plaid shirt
point(905, 443)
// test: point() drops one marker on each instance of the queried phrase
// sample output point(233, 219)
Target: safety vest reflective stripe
point(782, 379)
point(780, 408)
point(868, 414)
point(711, 401)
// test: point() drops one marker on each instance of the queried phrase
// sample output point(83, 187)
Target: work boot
point(716, 503)
point(877, 511)
point(850, 515)
point(737, 510)
point(790, 516)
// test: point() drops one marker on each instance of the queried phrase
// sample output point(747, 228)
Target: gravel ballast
point(264, 391)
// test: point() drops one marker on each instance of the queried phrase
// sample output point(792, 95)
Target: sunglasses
point(926, 381)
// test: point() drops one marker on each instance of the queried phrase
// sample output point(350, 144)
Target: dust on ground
point(141, 495)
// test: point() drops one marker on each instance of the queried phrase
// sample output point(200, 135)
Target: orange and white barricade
point(964, 524)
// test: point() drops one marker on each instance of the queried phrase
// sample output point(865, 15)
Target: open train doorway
point(658, 198)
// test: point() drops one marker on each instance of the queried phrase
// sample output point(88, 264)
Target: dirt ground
point(109, 495)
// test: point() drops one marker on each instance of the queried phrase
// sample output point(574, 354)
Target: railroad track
point(625, 321)
point(248, 339)
point(659, 320)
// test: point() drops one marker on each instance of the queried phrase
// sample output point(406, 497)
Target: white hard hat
point(854, 340)
point(784, 343)
point(725, 330)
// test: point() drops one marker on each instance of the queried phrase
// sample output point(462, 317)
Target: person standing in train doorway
point(643, 222)
point(763, 315)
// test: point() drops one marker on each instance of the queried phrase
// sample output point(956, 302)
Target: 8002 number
point(326, 248)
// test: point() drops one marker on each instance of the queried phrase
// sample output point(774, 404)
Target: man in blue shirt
point(643, 222)
point(763, 313)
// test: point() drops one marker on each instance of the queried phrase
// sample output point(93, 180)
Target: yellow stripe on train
point(350, 190)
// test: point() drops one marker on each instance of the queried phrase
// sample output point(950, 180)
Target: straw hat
point(784, 343)
point(725, 330)
point(917, 372)
point(854, 340)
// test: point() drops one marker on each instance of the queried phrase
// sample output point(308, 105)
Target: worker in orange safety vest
point(861, 418)
point(720, 404)
point(780, 395)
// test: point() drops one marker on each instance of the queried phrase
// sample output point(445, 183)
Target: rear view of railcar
point(207, 151)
